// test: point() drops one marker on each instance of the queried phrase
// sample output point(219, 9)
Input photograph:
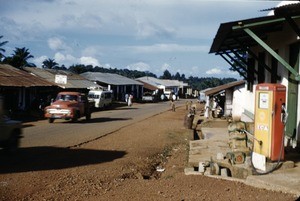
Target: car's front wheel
point(76, 116)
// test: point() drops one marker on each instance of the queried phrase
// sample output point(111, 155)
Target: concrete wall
point(238, 101)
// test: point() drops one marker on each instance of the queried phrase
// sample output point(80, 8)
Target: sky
point(144, 35)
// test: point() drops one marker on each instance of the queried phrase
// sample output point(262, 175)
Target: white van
point(101, 98)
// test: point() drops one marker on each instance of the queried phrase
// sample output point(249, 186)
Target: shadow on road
point(53, 158)
point(97, 120)
point(126, 108)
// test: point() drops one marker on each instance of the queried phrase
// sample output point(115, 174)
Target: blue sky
point(145, 35)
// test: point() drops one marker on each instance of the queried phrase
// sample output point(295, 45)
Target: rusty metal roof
point(224, 87)
point(73, 80)
point(110, 78)
point(14, 77)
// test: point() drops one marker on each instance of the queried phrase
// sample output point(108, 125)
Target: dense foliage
point(207, 82)
point(80, 68)
point(21, 56)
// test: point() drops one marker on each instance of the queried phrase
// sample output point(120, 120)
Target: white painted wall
point(277, 41)
point(242, 99)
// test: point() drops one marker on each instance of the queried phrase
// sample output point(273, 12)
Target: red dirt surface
point(123, 166)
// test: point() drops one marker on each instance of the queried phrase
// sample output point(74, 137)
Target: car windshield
point(66, 97)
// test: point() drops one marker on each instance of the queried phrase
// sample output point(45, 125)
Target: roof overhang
point(14, 77)
point(228, 38)
point(223, 87)
point(239, 36)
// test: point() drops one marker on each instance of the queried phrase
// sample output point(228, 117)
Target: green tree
point(1, 49)
point(166, 75)
point(177, 76)
point(49, 63)
point(20, 58)
point(182, 78)
point(78, 68)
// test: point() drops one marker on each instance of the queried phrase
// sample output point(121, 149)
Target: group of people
point(129, 98)
point(212, 108)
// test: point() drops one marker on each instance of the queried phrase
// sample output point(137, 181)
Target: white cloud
point(122, 32)
point(214, 71)
point(89, 61)
point(57, 44)
point(218, 71)
point(148, 29)
point(39, 60)
point(90, 51)
point(65, 59)
point(140, 66)
point(169, 48)
point(107, 66)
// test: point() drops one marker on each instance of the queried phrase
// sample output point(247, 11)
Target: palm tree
point(49, 63)
point(1, 49)
point(19, 58)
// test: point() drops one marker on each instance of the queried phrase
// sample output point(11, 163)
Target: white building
point(120, 85)
point(270, 54)
point(178, 87)
point(232, 95)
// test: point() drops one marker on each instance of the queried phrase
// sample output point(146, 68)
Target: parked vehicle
point(69, 105)
point(149, 97)
point(11, 132)
point(101, 98)
point(168, 95)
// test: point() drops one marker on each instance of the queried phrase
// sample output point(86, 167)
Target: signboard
point(61, 79)
point(263, 100)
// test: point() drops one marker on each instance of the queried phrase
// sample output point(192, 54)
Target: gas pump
point(270, 116)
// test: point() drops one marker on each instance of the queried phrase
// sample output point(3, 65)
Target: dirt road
point(144, 161)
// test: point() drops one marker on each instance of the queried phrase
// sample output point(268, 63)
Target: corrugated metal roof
point(109, 78)
point(288, 10)
point(148, 86)
point(162, 82)
point(204, 90)
point(150, 80)
point(73, 80)
point(292, 9)
point(14, 77)
point(223, 87)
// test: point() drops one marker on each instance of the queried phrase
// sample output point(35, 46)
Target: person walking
point(130, 100)
point(172, 105)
